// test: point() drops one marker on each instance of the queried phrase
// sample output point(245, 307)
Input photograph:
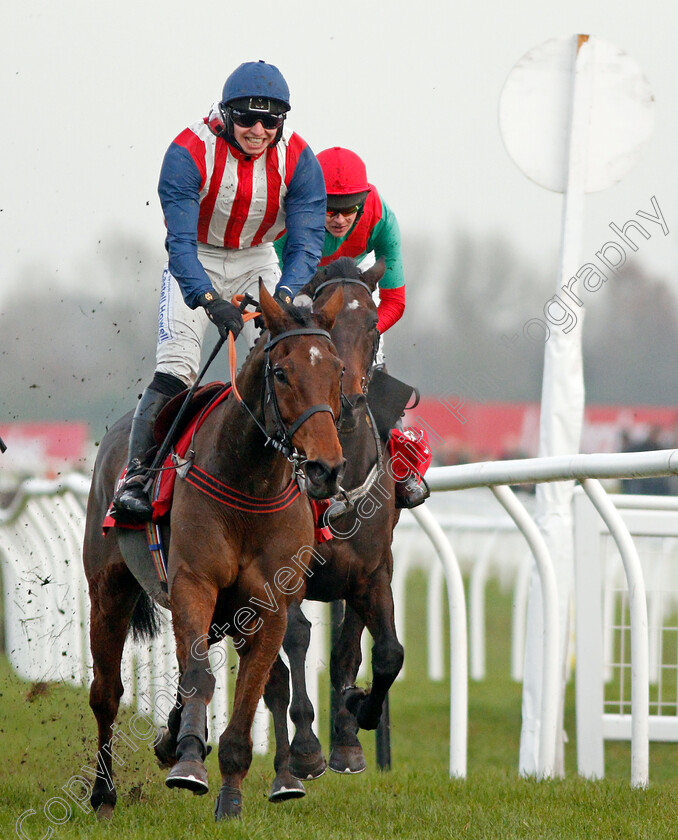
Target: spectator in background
point(659, 485)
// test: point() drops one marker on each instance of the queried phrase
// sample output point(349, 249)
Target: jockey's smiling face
point(255, 139)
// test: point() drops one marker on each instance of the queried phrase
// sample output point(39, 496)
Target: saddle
point(202, 398)
point(388, 398)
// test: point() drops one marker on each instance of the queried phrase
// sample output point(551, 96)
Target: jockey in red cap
point(359, 222)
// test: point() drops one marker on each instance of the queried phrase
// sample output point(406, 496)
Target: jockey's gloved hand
point(283, 295)
point(226, 317)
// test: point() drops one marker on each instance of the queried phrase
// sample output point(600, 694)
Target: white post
point(562, 410)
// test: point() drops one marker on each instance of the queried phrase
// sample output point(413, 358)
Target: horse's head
point(355, 329)
point(303, 387)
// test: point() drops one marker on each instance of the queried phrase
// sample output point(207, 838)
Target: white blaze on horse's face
point(354, 304)
point(315, 355)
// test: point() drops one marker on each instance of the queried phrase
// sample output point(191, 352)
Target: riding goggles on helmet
point(345, 211)
point(246, 119)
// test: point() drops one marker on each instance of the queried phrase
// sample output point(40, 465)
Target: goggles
point(246, 119)
point(346, 211)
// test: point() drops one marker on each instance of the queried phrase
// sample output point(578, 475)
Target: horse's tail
point(145, 623)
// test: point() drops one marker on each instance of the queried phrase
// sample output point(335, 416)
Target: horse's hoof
point(285, 786)
point(229, 803)
point(347, 760)
point(105, 812)
point(165, 749)
point(310, 766)
point(188, 774)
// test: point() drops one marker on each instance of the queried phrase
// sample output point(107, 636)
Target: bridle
point(365, 382)
point(281, 439)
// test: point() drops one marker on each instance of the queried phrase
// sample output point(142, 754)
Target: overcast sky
point(92, 95)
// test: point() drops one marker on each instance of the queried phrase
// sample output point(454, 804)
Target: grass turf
point(48, 734)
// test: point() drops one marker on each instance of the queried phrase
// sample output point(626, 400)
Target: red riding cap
point(345, 175)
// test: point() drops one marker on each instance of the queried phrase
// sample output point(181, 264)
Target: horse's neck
point(235, 447)
point(360, 450)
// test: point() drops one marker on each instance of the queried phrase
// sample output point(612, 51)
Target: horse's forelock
point(343, 267)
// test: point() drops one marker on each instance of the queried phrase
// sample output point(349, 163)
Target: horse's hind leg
point(165, 747)
point(113, 595)
point(306, 757)
point(277, 698)
point(347, 754)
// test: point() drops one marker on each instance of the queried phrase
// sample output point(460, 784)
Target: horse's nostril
point(322, 477)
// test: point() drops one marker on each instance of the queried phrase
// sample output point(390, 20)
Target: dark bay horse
point(224, 560)
point(356, 565)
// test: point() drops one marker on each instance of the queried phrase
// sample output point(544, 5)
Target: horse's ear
point(374, 274)
point(327, 315)
point(274, 316)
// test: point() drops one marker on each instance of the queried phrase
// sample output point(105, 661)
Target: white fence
point(604, 622)
point(46, 606)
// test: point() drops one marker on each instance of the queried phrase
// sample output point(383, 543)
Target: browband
point(336, 280)
point(301, 331)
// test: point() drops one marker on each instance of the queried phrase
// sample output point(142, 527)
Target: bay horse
point(356, 565)
point(222, 558)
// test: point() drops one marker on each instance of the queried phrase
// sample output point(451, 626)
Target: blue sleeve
point(305, 205)
point(179, 191)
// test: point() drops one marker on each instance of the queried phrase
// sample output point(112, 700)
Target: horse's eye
point(279, 374)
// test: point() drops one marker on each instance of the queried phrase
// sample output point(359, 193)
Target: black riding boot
point(131, 504)
point(410, 493)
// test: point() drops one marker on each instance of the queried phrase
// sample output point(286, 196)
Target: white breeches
point(181, 330)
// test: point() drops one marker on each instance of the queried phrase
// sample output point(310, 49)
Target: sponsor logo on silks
point(164, 330)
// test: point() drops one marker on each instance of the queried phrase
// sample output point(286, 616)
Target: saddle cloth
point(162, 491)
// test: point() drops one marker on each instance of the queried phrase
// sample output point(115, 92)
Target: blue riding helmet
point(256, 79)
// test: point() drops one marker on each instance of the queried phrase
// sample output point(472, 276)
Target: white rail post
point(550, 688)
point(640, 674)
point(589, 641)
point(458, 640)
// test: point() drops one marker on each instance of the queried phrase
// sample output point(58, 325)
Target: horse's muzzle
point(322, 481)
point(352, 409)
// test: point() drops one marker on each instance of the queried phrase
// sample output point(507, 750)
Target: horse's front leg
point(257, 655)
point(346, 755)
point(375, 608)
point(193, 601)
point(306, 758)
